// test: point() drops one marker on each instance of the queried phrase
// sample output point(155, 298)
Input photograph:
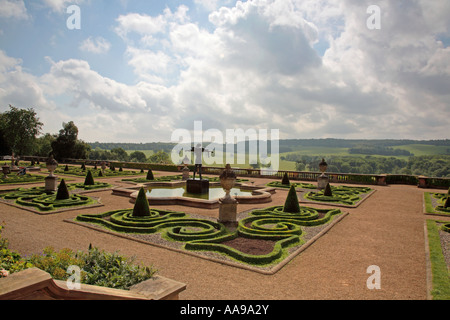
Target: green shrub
point(89, 181)
point(141, 208)
point(63, 192)
point(327, 192)
point(150, 175)
point(285, 179)
point(291, 204)
point(98, 267)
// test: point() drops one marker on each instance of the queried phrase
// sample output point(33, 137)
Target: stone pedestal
point(422, 182)
point(51, 183)
point(185, 173)
point(228, 212)
point(322, 182)
point(197, 186)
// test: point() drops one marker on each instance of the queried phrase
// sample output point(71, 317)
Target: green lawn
point(424, 149)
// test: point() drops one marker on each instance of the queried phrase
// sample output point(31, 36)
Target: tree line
point(431, 166)
point(21, 134)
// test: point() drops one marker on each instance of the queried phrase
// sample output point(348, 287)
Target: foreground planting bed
point(263, 241)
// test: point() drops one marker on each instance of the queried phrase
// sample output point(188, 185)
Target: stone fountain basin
point(258, 195)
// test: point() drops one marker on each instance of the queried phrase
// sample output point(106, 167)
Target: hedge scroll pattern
point(340, 194)
point(270, 224)
point(43, 201)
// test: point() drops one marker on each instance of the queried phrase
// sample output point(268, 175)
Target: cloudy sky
point(137, 70)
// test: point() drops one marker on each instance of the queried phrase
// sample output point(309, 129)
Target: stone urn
point(322, 180)
point(13, 162)
point(185, 168)
point(323, 166)
point(227, 181)
point(228, 205)
point(6, 170)
point(51, 165)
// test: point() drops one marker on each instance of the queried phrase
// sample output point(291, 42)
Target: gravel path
point(386, 230)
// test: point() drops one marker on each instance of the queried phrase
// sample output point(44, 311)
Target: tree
point(119, 154)
point(138, 156)
point(159, 157)
point(44, 145)
point(19, 129)
point(67, 144)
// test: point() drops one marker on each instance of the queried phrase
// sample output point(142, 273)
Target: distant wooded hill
point(365, 147)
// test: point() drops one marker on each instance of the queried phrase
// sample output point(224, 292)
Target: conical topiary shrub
point(89, 181)
point(63, 192)
point(66, 168)
point(100, 173)
point(291, 205)
point(150, 175)
point(285, 179)
point(447, 203)
point(141, 207)
point(327, 192)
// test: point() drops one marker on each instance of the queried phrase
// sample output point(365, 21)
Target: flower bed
point(300, 185)
point(15, 178)
point(40, 201)
point(263, 239)
point(340, 195)
point(96, 173)
point(434, 203)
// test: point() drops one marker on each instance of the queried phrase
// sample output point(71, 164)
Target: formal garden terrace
point(351, 178)
point(304, 243)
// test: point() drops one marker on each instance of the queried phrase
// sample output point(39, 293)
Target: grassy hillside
point(430, 158)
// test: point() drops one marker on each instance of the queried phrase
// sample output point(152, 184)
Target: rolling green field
point(414, 157)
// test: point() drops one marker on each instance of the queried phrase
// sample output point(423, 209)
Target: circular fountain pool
point(174, 193)
point(214, 193)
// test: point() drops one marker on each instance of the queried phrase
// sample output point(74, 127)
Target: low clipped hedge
point(216, 246)
point(14, 178)
point(301, 185)
point(339, 194)
point(446, 227)
point(45, 201)
point(270, 224)
point(436, 206)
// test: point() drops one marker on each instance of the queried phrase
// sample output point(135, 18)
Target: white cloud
point(256, 67)
point(98, 45)
point(61, 5)
point(13, 9)
point(18, 87)
point(75, 78)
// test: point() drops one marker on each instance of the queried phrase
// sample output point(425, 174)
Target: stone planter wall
point(35, 284)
